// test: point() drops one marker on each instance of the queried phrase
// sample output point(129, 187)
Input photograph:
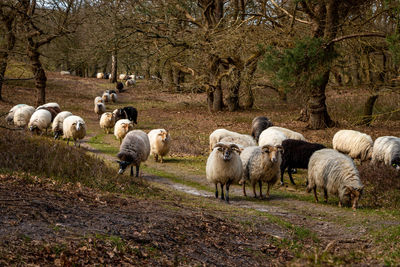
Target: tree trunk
point(218, 98)
point(38, 72)
point(233, 98)
point(319, 117)
point(368, 110)
point(114, 66)
point(248, 101)
point(5, 50)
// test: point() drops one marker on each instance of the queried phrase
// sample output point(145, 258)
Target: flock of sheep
point(236, 158)
point(39, 120)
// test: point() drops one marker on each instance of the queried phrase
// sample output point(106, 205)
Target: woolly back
point(59, 119)
point(41, 118)
point(271, 136)
point(23, 115)
point(136, 144)
point(289, 133)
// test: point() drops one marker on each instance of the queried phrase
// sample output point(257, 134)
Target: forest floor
point(45, 222)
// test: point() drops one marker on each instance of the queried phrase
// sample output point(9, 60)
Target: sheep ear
point(265, 149)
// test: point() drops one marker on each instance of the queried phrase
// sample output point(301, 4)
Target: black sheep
point(129, 113)
point(296, 154)
point(120, 87)
point(258, 125)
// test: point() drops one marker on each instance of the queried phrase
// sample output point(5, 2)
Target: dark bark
point(38, 72)
point(368, 110)
point(7, 20)
point(233, 97)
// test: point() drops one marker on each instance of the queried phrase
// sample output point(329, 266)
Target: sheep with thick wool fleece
point(353, 143)
point(39, 121)
point(272, 137)
point(100, 75)
point(98, 99)
point(53, 111)
point(258, 125)
point(10, 115)
point(134, 150)
point(99, 108)
point(290, 134)
point(113, 97)
point(223, 135)
point(335, 173)
point(51, 104)
point(106, 97)
point(107, 121)
point(74, 127)
point(224, 167)
point(121, 128)
point(58, 121)
point(130, 82)
point(386, 150)
point(160, 143)
point(22, 116)
point(261, 164)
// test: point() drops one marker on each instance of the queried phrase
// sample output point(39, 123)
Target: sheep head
point(125, 161)
point(164, 136)
point(78, 125)
point(227, 150)
point(273, 152)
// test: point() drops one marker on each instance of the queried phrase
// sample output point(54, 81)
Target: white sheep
point(122, 76)
point(106, 97)
point(223, 135)
point(10, 115)
point(74, 127)
point(261, 164)
point(272, 137)
point(99, 108)
point(22, 116)
point(134, 149)
point(386, 150)
point(100, 75)
point(335, 173)
point(58, 121)
point(224, 167)
point(107, 121)
point(353, 143)
point(65, 72)
point(39, 121)
point(160, 142)
point(49, 105)
point(113, 97)
point(98, 99)
point(130, 82)
point(121, 128)
point(289, 133)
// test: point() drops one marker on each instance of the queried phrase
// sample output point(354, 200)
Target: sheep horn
point(280, 148)
point(235, 148)
point(220, 145)
point(266, 148)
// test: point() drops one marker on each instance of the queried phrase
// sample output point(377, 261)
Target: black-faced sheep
point(353, 143)
point(39, 121)
point(297, 154)
point(261, 164)
point(129, 113)
point(57, 126)
point(224, 167)
point(119, 86)
point(386, 150)
point(134, 149)
point(335, 173)
point(74, 127)
point(160, 142)
point(258, 125)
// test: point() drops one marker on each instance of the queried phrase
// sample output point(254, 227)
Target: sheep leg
point(227, 191)
point(161, 159)
point(268, 187)
point(260, 185)
point(254, 190)
point(326, 195)
point(282, 171)
point(67, 141)
point(131, 170)
point(216, 190)
point(156, 157)
point(290, 176)
point(315, 193)
point(222, 192)
point(244, 189)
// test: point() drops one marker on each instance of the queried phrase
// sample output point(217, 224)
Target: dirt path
point(338, 229)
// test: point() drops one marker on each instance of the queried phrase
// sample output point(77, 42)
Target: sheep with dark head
point(224, 167)
point(297, 154)
point(258, 125)
point(135, 149)
point(129, 113)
